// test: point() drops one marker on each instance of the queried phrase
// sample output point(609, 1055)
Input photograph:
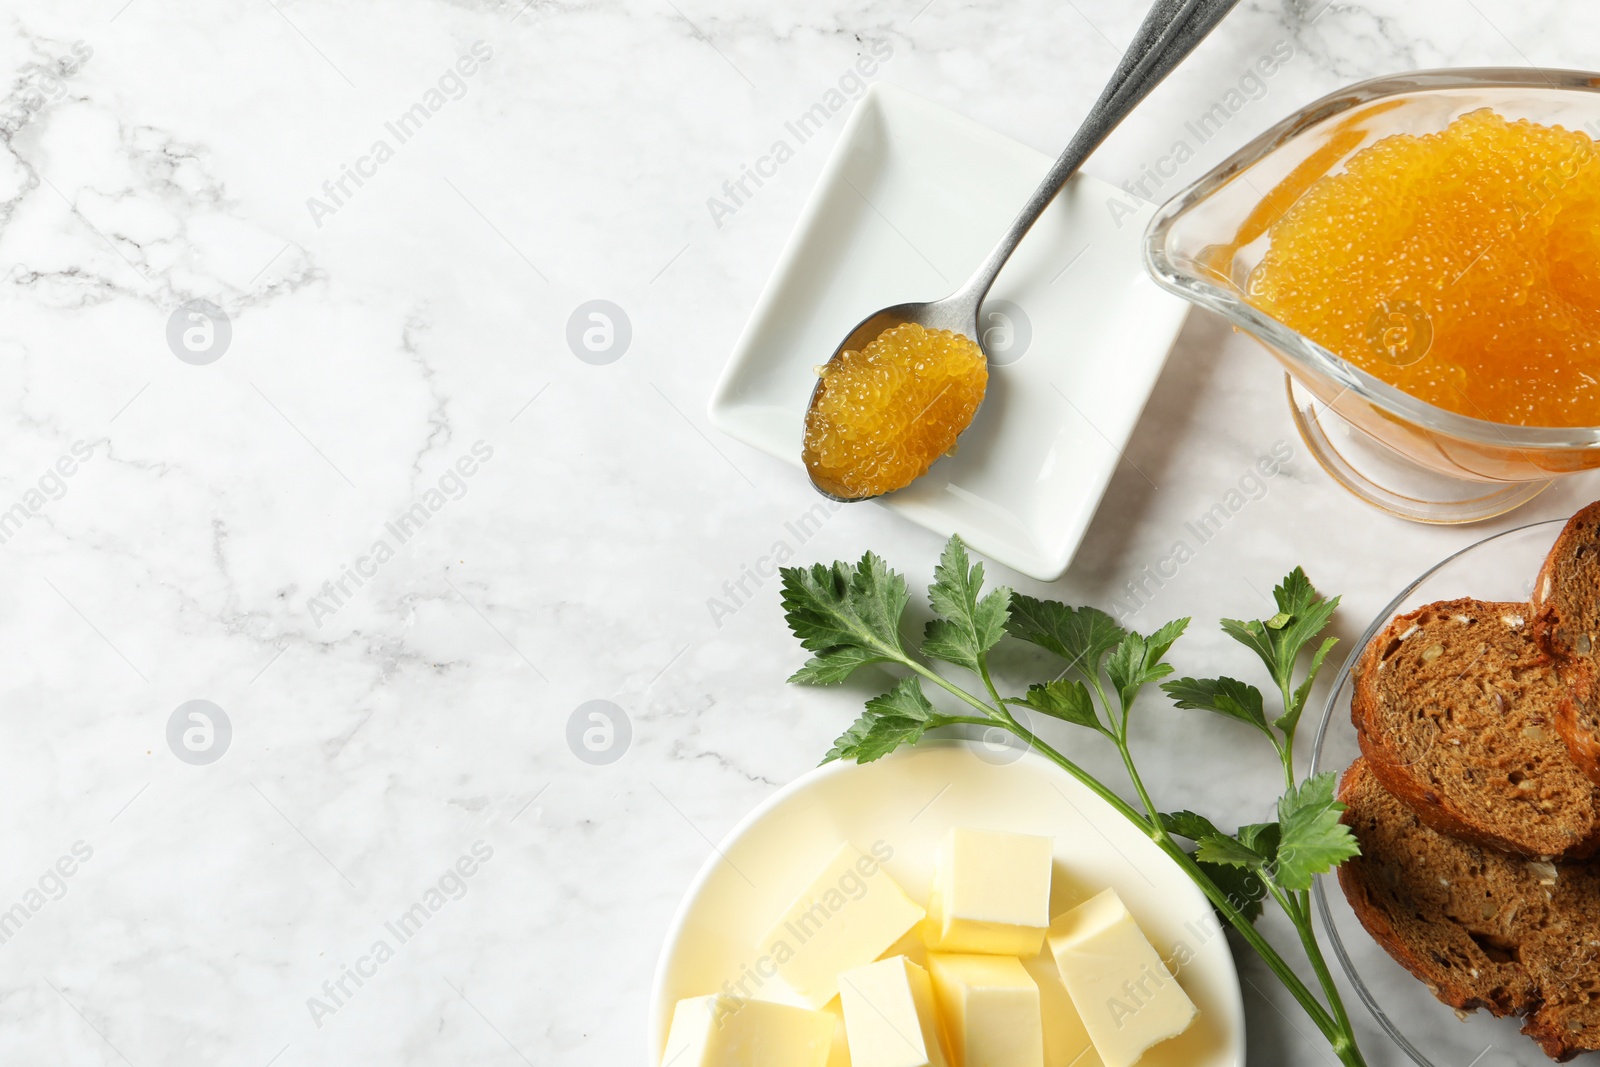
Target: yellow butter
point(889, 1015)
point(847, 917)
point(724, 1031)
point(991, 893)
point(989, 1008)
point(839, 1054)
point(1066, 1041)
point(1126, 997)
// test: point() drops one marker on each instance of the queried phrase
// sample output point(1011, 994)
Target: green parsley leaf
point(1254, 636)
point(1294, 594)
point(1159, 643)
point(1291, 717)
point(1081, 636)
point(1261, 838)
point(1229, 851)
point(968, 626)
point(1314, 840)
point(1063, 699)
point(846, 616)
point(1188, 824)
point(904, 701)
point(1225, 696)
point(1302, 615)
point(850, 616)
point(835, 665)
point(1305, 627)
point(1137, 660)
point(898, 717)
point(1244, 887)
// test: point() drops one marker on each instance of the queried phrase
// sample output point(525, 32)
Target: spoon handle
point(1168, 34)
point(1164, 15)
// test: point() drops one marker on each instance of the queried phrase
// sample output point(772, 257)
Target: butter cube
point(991, 893)
point(1127, 998)
point(990, 1009)
point(839, 1054)
point(724, 1031)
point(889, 1015)
point(850, 913)
point(1066, 1042)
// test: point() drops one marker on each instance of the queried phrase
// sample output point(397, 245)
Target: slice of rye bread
point(1566, 620)
point(1454, 706)
point(1480, 928)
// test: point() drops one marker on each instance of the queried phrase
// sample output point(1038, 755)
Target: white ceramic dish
point(908, 801)
point(911, 200)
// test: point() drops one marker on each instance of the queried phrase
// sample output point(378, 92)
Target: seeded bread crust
point(1397, 888)
point(1455, 708)
point(1566, 621)
point(1480, 928)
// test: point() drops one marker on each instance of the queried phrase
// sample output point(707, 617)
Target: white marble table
point(399, 714)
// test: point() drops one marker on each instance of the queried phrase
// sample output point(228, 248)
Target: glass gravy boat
point(1394, 451)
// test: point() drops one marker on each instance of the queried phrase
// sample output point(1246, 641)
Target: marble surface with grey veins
point(300, 421)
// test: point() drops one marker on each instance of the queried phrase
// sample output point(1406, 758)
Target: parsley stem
point(992, 716)
point(849, 616)
point(1093, 677)
point(1334, 1023)
point(1337, 1033)
point(994, 694)
point(1299, 913)
point(1094, 785)
point(1286, 749)
point(1308, 939)
point(1157, 831)
point(1297, 906)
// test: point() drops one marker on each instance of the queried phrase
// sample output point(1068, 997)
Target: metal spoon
point(1168, 34)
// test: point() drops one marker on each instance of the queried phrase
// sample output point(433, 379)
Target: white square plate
point(911, 200)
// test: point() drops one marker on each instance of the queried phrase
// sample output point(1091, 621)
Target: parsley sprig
point(851, 616)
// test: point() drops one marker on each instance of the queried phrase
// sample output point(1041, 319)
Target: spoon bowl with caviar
point(907, 381)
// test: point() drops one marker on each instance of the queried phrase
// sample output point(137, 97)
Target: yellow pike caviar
point(1462, 267)
point(887, 412)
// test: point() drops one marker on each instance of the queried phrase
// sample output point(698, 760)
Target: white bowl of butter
point(948, 905)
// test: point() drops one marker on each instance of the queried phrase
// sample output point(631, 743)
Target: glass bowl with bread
point(1469, 765)
point(1422, 254)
